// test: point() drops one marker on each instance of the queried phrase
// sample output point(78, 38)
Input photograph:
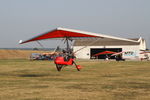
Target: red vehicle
point(68, 35)
point(60, 62)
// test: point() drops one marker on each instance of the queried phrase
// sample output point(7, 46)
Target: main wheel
point(78, 67)
point(59, 67)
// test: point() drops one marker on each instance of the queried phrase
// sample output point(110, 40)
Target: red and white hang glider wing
point(105, 52)
point(64, 32)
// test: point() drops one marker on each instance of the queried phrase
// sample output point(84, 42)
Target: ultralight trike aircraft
point(67, 35)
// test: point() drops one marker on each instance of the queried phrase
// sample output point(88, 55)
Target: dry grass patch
point(98, 80)
point(18, 54)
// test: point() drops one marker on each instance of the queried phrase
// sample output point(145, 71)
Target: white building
point(88, 43)
point(86, 48)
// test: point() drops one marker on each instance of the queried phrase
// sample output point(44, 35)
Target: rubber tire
point(77, 68)
point(59, 67)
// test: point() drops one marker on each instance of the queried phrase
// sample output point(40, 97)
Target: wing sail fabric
point(58, 34)
point(64, 32)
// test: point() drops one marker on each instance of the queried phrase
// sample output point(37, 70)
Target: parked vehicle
point(38, 56)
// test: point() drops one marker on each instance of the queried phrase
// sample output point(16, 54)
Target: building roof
point(104, 42)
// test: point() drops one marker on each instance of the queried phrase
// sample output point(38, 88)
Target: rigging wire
point(40, 44)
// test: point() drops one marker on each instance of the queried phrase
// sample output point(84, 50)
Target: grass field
point(98, 80)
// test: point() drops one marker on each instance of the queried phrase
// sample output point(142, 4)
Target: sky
point(23, 19)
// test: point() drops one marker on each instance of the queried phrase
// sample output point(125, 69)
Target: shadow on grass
point(38, 74)
point(33, 75)
point(24, 75)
